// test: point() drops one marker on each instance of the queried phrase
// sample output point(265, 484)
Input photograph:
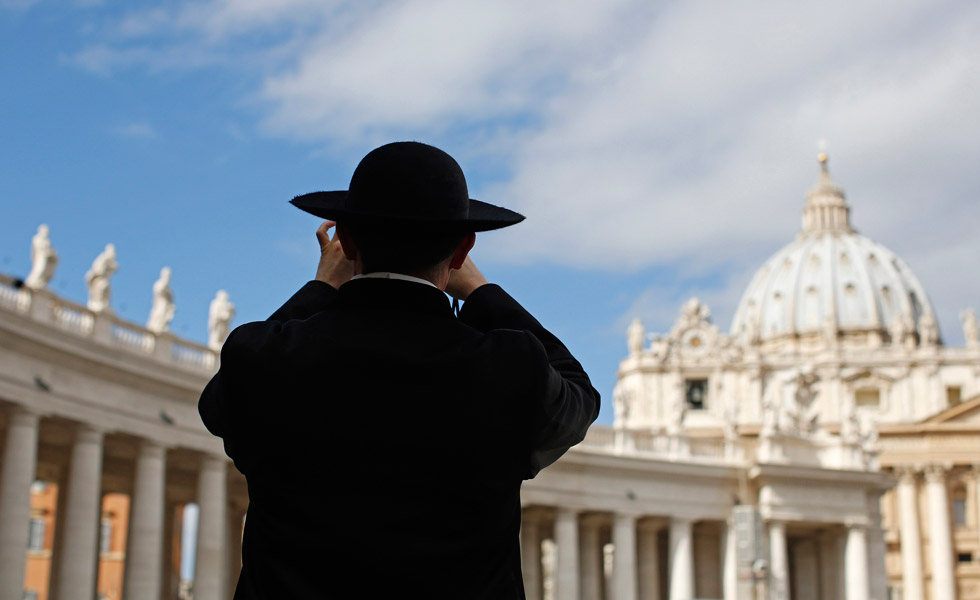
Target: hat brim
point(482, 215)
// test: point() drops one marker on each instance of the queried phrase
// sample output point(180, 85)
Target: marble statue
point(693, 313)
point(635, 336)
point(220, 315)
point(676, 411)
point(971, 331)
point(43, 260)
point(97, 279)
point(928, 330)
point(771, 400)
point(752, 331)
point(730, 423)
point(163, 307)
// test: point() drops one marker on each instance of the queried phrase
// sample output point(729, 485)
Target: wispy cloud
point(17, 4)
point(137, 129)
point(631, 135)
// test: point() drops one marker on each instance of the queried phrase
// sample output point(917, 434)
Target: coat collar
point(394, 294)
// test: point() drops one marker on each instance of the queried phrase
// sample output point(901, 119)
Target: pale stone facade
point(755, 464)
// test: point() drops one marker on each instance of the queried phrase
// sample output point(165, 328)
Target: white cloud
point(17, 4)
point(137, 129)
point(631, 134)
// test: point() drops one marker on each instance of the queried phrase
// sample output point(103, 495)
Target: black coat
point(385, 441)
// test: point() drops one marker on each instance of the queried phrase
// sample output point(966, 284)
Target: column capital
point(23, 415)
point(935, 472)
point(566, 512)
point(211, 461)
point(86, 432)
point(906, 473)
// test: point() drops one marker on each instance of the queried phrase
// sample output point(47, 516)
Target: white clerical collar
point(387, 275)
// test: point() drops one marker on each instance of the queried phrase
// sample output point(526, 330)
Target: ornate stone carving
point(788, 403)
point(971, 331)
point(163, 308)
point(935, 473)
point(97, 279)
point(220, 314)
point(635, 336)
point(43, 260)
point(928, 330)
point(676, 410)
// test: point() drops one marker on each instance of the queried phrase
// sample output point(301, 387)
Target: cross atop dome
point(825, 210)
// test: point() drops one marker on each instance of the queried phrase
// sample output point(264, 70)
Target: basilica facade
point(827, 446)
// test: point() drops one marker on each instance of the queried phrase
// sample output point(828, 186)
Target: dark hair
point(401, 249)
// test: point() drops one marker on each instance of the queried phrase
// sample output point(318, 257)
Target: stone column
point(856, 585)
point(940, 536)
point(624, 557)
point(909, 537)
point(210, 569)
point(76, 569)
point(648, 561)
point(566, 542)
point(144, 548)
point(590, 558)
point(531, 555)
point(778, 561)
point(17, 474)
point(681, 559)
point(729, 565)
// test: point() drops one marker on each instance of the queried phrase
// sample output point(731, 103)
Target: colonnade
point(941, 573)
point(75, 558)
point(816, 563)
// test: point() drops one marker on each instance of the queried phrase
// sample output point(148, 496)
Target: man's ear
point(350, 250)
point(464, 247)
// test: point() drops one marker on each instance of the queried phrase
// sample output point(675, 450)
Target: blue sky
point(659, 150)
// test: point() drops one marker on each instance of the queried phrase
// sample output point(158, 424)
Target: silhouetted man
point(385, 439)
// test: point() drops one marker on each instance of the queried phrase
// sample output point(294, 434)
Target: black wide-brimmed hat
point(410, 184)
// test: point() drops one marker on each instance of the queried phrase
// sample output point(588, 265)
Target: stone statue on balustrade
point(788, 404)
point(971, 331)
point(868, 432)
point(220, 315)
point(928, 330)
point(97, 279)
point(635, 337)
point(163, 307)
point(43, 260)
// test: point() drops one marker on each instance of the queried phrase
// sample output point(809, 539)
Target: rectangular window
point(964, 557)
point(959, 512)
point(953, 396)
point(105, 536)
point(695, 392)
point(869, 398)
point(35, 534)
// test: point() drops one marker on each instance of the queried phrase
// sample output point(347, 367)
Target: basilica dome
point(832, 283)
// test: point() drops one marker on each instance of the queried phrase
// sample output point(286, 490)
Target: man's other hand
point(334, 268)
point(464, 280)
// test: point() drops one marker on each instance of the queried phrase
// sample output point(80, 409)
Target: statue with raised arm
point(220, 315)
point(971, 331)
point(163, 307)
point(97, 279)
point(43, 260)
point(635, 336)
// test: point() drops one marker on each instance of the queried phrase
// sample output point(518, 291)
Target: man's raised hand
point(334, 268)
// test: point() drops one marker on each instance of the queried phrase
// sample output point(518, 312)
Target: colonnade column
point(590, 558)
point(778, 561)
point(76, 569)
point(210, 571)
point(16, 475)
point(531, 555)
point(940, 537)
point(144, 549)
point(729, 564)
point(648, 558)
point(566, 542)
point(909, 538)
point(681, 559)
point(856, 584)
point(624, 557)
